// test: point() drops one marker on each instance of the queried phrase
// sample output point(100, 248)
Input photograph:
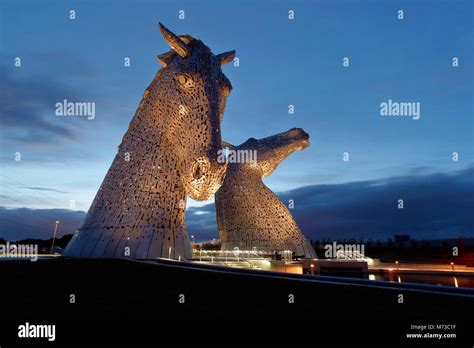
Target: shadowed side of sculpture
point(168, 152)
point(248, 213)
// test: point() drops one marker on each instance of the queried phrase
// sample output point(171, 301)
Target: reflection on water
point(459, 281)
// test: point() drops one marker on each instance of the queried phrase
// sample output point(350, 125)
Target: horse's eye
point(185, 81)
point(182, 79)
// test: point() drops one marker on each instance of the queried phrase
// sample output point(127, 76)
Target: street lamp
point(192, 237)
point(54, 235)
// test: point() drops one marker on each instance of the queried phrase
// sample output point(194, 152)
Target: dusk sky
point(282, 62)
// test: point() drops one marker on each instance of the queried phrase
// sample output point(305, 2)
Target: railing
point(239, 255)
point(353, 255)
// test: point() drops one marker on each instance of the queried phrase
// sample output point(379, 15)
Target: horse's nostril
point(226, 89)
point(197, 172)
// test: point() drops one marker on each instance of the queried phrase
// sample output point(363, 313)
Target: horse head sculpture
point(189, 98)
point(169, 152)
point(273, 149)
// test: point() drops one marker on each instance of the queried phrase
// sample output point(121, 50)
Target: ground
point(121, 290)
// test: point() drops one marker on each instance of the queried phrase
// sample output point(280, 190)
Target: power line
point(36, 198)
point(38, 192)
point(12, 199)
point(32, 215)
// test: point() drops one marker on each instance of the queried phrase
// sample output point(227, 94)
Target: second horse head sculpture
point(249, 214)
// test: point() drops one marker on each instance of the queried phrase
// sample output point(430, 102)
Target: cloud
point(435, 206)
point(21, 223)
point(27, 106)
point(30, 93)
point(201, 222)
point(35, 188)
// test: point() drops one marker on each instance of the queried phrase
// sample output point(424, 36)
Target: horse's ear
point(166, 58)
point(174, 41)
point(226, 57)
